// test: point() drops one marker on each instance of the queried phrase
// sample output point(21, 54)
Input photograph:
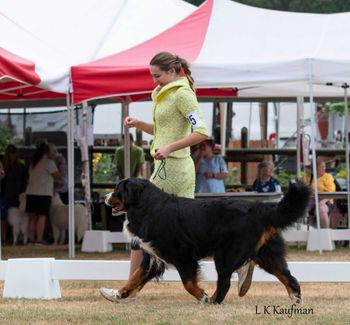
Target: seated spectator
point(211, 170)
point(325, 183)
point(265, 181)
point(137, 158)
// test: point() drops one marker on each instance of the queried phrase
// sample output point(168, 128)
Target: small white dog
point(18, 219)
point(59, 219)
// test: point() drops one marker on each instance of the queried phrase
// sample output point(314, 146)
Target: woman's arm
point(190, 140)
point(144, 126)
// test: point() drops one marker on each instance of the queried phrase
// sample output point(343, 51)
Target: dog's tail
point(293, 206)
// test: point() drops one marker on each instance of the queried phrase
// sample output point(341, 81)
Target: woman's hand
point(162, 153)
point(130, 122)
point(209, 175)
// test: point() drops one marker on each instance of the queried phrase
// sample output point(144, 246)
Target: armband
point(195, 120)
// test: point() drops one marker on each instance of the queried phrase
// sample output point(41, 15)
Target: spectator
point(325, 183)
point(137, 158)
point(211, 170)
point(42, 173)
point(61, 184)
point(265, 182)
point(3, 219)
point(13, 183)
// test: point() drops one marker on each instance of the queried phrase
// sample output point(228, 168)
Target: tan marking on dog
point(135, 282)
point(268, 233)
point(213, 297)
point(193, 289)
point(285, 282)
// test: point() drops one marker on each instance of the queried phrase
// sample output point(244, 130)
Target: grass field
point(168, 303)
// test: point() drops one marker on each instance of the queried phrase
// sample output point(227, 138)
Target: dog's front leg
point(190, 279)
point(136, 282)
point(151, 267)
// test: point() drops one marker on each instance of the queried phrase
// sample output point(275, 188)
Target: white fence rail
point(38, 278)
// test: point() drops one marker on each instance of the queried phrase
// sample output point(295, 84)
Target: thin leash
point(161, 168)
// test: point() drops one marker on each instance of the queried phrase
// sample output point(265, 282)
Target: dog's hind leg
point(225, 267)
point(271, 258)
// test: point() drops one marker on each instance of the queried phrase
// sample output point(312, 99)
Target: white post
point(300, 103)
point(125, 113)
point(86, 162)
point(223, 118)
point(347, 148)
point(313, 149)
point(70, 149)
point(250, 120)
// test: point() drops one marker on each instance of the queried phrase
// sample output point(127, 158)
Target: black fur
point(182, 231)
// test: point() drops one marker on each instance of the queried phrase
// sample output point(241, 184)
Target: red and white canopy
point(261, 52)
point(18, 79)
point(127, 73)
point(51, 36)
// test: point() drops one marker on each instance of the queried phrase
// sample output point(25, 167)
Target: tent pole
point(70, 149)
point(125, 113)
point(223, 112)
point(313, 150)
point(250, 120)
point(86, 162)
point(300, 102)
point(347, 149)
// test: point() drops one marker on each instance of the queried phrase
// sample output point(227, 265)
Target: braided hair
point(166, 61)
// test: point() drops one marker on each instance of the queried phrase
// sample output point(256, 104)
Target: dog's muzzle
point(112, 201)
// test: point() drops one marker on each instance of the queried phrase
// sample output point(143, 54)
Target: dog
point(181, 231)
point(18, 219)
point(59, 219)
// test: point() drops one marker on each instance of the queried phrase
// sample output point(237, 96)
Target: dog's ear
point(131, 190)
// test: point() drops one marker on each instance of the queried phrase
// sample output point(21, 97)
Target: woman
point(325, 183)
point(42, 173)
point(12, 185)
point(175, 113)
point(265, 182)
point(211, 170)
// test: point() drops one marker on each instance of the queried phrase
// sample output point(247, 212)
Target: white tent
point(274, 53)
point(55, 35)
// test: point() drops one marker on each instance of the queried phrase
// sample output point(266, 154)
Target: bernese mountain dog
point(180, 232)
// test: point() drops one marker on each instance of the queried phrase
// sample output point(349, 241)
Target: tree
point(314, 6)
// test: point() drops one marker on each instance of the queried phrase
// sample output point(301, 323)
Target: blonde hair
point(166, 61)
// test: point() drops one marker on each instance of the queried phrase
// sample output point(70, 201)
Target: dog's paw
point(205, 299)
point(296, 297)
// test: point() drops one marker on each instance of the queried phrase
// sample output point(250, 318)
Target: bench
point(101, 240)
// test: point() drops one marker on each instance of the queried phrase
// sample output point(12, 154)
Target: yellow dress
point(175, 114)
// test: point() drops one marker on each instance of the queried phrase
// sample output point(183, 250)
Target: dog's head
point(126, 194)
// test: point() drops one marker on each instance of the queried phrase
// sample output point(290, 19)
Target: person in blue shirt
point(265, 182)
point(211, 170)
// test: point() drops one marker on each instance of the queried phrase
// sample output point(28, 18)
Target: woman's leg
point(31, 227)
point(324, 218)
point(136, 256)
point(40, 227)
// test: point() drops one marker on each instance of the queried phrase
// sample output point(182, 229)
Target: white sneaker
point(245, 275)
point(110, 294)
